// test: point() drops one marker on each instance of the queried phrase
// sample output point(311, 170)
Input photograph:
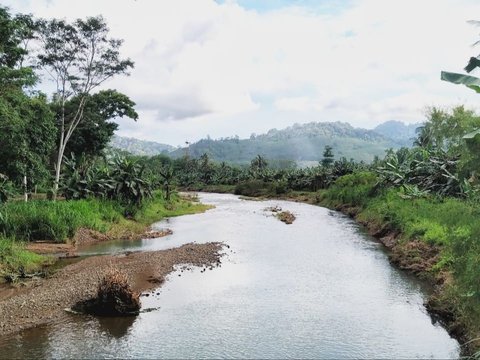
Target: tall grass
point(13, 256)
point(57, 221)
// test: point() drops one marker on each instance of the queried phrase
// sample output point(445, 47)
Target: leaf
point(467, 80)
point(472, 64)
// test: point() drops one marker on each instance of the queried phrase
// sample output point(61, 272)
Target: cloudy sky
point(236, 67)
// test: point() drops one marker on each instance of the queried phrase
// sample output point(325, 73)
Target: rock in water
point(114, 297)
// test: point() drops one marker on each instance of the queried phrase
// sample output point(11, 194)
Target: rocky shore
point(43, 301)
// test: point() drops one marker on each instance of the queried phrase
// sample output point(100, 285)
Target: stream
point(318, 288)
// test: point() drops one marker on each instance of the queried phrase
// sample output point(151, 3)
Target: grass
point(14, 257)
point(153, 210)
point(56, 221)
point(158, 208)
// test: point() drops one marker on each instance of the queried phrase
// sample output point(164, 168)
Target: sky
point(221, 68)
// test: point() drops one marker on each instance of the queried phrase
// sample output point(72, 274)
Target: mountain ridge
point(298, 142)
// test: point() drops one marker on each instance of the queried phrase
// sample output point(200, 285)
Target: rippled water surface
point(319, 288)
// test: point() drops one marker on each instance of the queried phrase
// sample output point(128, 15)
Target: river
point(319, 288)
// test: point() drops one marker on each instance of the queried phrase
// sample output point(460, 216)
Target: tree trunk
point(25, 192)
point(58, 167)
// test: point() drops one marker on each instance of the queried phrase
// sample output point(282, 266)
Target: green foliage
point(57, 221)
point(14, 258)
point(253, 188)
point(96, 129)
point(6, 188)
point(130, 185)
point(79, 57)
point(353, 189)
point(15, 32)
point(158, 207)
point(121, 179)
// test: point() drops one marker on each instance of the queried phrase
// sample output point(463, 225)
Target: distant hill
point(398, 131)
point(300, 142)
point(139, 147)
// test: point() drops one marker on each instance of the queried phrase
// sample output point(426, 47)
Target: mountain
point(400, 132)
point(300, 142)
point(139, 147)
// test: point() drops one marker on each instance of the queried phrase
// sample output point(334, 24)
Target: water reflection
point(116, 326)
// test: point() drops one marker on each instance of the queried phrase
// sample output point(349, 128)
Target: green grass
point(13, 256)
point(158, 208)
point(56, 221)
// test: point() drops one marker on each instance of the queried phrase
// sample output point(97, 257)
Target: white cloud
point(204, 68)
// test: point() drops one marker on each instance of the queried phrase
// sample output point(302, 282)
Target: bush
point(353, 189)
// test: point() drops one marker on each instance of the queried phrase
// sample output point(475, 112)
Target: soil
point(45, 300)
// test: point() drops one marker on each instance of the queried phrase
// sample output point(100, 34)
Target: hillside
point(139, 147)
point(402, 133)
point(300, 142)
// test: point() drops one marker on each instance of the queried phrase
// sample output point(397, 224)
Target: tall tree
point(97, 128)
point(26, 123)
point(79, 57)
point(15, 33)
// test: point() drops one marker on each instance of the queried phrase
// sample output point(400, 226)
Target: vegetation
point(56, 221)
point(79, 57)
point(15, 259)
point(300, 143)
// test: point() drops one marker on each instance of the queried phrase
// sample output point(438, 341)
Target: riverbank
point(434, 238)
point(38, 296)
point(36, 233)
point(45, 300)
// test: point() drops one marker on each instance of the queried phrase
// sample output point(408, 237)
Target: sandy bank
point(44, 300)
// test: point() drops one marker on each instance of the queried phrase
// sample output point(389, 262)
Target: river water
point(319, 288)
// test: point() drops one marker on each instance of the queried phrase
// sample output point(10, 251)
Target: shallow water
point(319, 288)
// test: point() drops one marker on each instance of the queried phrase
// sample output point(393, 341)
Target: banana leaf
point(469, 81)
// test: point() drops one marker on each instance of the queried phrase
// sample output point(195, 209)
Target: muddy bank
point(84, 237)
point(45, 300)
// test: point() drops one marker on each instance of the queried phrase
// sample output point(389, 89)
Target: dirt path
point(44, 301)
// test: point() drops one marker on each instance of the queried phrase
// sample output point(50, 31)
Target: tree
point(258, 163)
point(327, 160)
point(96, 130)
point(27, 137)
point(79, 57)
point(26, 123)
point(15, 33)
